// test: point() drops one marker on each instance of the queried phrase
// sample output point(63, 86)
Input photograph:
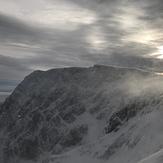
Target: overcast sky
point(43, 34)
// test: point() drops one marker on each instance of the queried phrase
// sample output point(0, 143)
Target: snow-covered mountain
point(98, 114)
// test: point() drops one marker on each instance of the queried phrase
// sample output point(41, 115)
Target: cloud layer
point(44, 34)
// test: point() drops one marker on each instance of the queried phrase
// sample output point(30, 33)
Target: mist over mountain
point(97, 114)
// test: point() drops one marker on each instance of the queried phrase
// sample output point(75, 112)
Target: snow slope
point(154, 158)
point(136, 140)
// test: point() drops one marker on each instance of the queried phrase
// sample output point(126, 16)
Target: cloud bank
point(44, 34)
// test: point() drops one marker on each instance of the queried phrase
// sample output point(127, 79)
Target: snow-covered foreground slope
point(99, 114)
point(139, 138)
point(154, 158)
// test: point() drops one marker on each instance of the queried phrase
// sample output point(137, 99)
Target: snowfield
point(138, 139)
point(154, 158)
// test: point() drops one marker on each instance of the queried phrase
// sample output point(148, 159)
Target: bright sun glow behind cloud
point(96, 39)
point(146, 36)
point(160, 52)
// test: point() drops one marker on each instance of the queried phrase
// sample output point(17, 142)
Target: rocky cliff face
point(58, 110)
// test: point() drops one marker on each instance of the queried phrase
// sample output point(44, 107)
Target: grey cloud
point(154, 8)
point(12, 63)
point(48, 47)
point(119, 59)
point(153, 11)
point(11, 68)
point(12, 73)
point(130, 55)
point(11, 29)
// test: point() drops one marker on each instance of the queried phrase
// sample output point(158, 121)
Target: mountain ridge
point(61, 109)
